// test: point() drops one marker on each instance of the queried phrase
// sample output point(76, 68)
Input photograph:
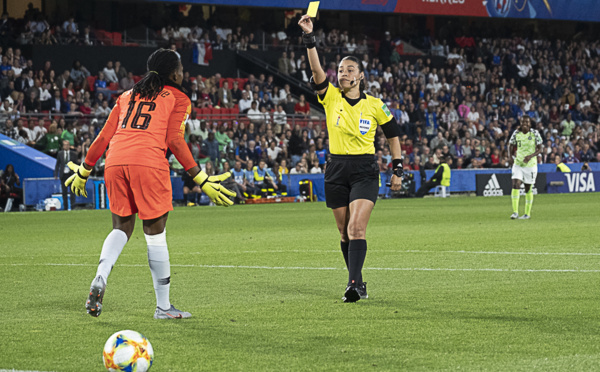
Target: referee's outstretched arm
point(310, 41)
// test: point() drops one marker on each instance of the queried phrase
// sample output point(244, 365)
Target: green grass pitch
point(453, 284)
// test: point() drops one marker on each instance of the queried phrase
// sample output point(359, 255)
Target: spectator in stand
point(79, 75)
point(254, 114)
point(195, 148)
point(193, 124)
point(127, 82)
point(39, 131)
point(32, 103)
point(283, 64)
point(50, 142)
point(302, 107)
point(120, 71)
point(222, 137)
point(567, 126)
point(9, 130)
point(70, 30)
point(273, 153)
point(300, 168)
point(236, 93)
point(303, 73)
point(239, 177)
point(101, 84)
point(210, 147)
point(280, 120)
point(109, 73)
point(87, 37)
point(103, 111)
point(245, 103)
point(225, 96)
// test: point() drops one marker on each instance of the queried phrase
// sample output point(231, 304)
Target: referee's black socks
point(344, 246)
point(357, 251)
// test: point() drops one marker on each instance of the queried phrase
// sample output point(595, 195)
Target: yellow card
point(312, 8)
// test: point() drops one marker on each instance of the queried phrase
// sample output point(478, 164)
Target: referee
point(352, 173)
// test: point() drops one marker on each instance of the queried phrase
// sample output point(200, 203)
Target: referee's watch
point(397, 169)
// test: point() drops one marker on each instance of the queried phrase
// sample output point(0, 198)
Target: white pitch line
point(583, 254)
point(333, 268)
point(15, 370)
point(426, 251)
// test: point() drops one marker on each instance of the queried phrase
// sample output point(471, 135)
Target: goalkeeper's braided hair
point(161, 64)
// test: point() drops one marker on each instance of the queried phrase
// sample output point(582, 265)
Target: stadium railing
point(211, 115)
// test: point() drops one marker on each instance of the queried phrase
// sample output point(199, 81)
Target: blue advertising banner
point(580, 10)
point(352, 5)
point(572, 182)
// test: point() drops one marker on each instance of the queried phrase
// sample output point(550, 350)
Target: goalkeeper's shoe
point(93, 304)
point(362, 291)
point(171, 313)
point(351, 294)
point(514, 216)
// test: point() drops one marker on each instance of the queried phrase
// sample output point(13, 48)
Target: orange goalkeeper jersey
point(140, 131)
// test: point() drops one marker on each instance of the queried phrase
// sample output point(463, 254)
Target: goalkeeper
point(143, 122)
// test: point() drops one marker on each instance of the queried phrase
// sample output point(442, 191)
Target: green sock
point(528, 202)
point(514, 196)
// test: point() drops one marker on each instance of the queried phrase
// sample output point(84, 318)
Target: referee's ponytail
point(360, 68)
point(161, 65)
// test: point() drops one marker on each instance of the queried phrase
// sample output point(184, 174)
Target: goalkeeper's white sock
point(111, 249)
point(158, 259)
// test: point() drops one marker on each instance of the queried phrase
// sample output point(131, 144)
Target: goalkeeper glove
point(213, 189)
point(78, 180)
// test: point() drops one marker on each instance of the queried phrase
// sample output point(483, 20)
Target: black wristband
point(206, 180)
point(309, 40)
point(82, 177)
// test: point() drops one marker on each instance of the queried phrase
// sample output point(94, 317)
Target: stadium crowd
point(462, 101)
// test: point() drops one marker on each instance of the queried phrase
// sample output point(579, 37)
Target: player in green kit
point(528, 144)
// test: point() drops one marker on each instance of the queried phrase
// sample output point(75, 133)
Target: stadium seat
point(113, 86)
point(136, 78)
point(117, 38)
point(91, 81)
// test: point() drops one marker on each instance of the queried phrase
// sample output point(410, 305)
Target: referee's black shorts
point(351, 177)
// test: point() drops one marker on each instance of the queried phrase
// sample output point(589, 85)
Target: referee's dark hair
point(161, 64)
point(360, 68)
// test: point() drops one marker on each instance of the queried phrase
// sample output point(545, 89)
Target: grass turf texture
point(292, 318)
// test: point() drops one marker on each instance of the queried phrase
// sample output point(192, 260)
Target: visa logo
point(580, 182)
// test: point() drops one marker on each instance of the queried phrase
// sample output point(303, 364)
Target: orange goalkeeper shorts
point(137, 189)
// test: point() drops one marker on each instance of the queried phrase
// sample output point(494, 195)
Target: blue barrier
point(464, 180)
point(293, 183)
point(36, 189)
point(28, 162)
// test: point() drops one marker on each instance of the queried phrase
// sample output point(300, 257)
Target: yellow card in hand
point(312, 8)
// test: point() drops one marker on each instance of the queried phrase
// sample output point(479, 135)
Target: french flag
point(202, 53)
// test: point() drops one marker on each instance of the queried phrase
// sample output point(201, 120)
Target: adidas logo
point(493, 187)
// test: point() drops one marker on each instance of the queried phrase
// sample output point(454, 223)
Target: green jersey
point(526, 143)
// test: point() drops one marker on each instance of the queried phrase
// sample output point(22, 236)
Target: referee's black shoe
point(362, 291)
point(351, 294)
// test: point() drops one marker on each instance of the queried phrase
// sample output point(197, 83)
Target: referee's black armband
point(391, 129)
point(309, 40)
point(317, 87)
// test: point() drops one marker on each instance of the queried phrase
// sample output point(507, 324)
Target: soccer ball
point(128, 351)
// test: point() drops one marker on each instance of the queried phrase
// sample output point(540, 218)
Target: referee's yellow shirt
point(352, 128)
